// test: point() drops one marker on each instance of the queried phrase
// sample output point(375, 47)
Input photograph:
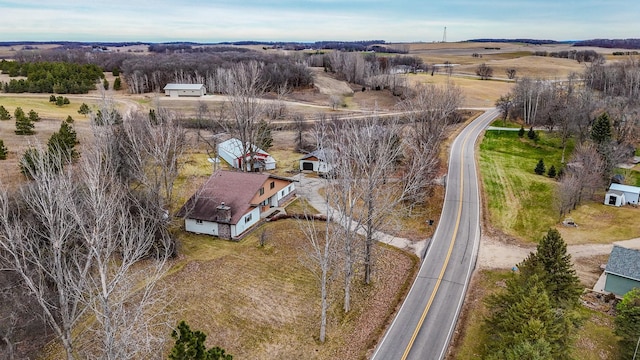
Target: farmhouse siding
point(619, 285)
point(201, 227)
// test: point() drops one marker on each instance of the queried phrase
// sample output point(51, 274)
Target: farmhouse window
point(272, 185)
point(199, 222)
point(261, 191)
point(247, 218)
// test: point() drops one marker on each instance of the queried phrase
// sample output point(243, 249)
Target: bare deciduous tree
point(484, 71)
point(320, 256)
point(246, 109)
point(83, 233)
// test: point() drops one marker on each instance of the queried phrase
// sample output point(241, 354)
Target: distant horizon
point(402, 21)
point(18, 42)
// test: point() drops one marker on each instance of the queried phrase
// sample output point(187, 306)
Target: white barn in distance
point(176, 90)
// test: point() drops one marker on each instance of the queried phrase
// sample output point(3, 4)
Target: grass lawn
point(519, 202)
point(594, 341)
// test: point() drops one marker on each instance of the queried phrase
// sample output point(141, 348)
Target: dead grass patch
point(261, 303)
point(596, 224)
point(477, 93)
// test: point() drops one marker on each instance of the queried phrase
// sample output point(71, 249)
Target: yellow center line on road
point(446, 260)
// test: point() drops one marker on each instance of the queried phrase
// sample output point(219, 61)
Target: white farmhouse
point(176, 90)
point(231, 203)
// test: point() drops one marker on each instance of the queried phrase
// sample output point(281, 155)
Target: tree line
point(580, 56)
point(151, 73)
point(50, 77)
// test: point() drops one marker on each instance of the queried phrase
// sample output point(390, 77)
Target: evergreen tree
point(105, 83)
point(540, 169)
point(4, 114)
point(3, 151)
point(526, 350)
point(63, 142)
point(531, 134)
point(110, 117)
point(115, 72)
point(28, 162)
point(66, 101)
point(521, 131)
point(52, 98)
point(552, 264)
point(60, 101)
point(153, 118)
point(190, 345)
point(33, 116)
point(521, 316)
point(18, 112)
point(24, 125)
point(69, 120)
point(117, 84)
point(627, 323)
point(84, 109)
point(552, 172)
point(601, 129)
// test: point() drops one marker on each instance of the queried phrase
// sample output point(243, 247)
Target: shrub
point(540, 168)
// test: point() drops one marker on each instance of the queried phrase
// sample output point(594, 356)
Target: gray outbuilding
point(176, 90)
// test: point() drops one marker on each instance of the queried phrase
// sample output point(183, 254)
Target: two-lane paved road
point(422, 328)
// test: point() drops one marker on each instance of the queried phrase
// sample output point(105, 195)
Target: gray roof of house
point(615, 192)
point(624, 262)
point(183, 86)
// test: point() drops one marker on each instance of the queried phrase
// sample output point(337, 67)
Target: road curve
point(423, 327)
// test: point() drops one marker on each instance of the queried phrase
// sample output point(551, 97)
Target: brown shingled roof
point(234, 188)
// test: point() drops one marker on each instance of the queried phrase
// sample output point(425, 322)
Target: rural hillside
point(259, 200)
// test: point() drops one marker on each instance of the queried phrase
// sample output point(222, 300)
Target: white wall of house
point(284, 192)
point(201, 227)
point(246, 221)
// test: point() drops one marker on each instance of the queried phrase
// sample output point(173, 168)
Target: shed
point(631, 193)
point(176, 90)
point(316, 161)
point(253, 157)
point(622, 271)
point(614, 198)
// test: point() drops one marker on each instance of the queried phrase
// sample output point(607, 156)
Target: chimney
point(223, 213)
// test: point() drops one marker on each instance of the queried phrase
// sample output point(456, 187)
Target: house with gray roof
point(176, 90)
point(622, 271)
point(231, 203)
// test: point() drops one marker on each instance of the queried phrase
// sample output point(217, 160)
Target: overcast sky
point(307, 20)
